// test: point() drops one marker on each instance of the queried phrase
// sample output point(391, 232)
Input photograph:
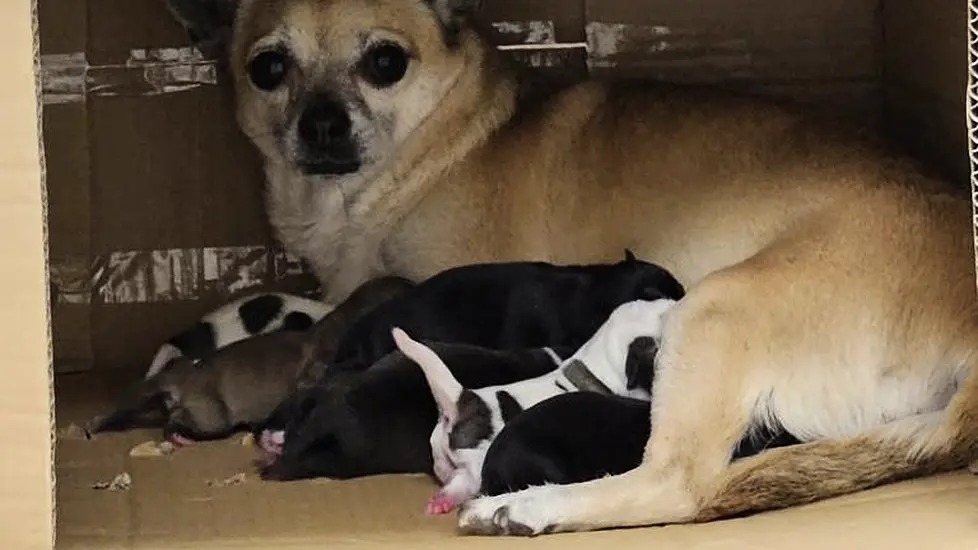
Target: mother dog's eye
point(267, 70)
point(384, 64)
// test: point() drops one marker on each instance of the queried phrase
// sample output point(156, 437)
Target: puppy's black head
point(324, 442)
point(352, 433)
point(292, 410)
point(635, 279)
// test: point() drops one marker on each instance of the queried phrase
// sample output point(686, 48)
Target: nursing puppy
point(512, 305)
point(232, 389)
point(377, 421)
point(833, 283)
point(582, 436)
point(617, 360)
point(509, 305)
point(242, 318)
point(239, 385)
point(327, 334)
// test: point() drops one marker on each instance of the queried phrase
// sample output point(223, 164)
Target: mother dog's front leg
point(702, 401)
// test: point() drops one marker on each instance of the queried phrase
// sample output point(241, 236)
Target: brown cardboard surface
point(816, 51)
point(25, 408)
point(925, 46)
point(715, 40)
point(171, 504)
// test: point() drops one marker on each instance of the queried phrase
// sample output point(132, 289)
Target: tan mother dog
point(831, 288)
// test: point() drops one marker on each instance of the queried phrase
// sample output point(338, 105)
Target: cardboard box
point(137, 136)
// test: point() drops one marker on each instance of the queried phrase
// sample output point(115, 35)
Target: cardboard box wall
point(139, 144)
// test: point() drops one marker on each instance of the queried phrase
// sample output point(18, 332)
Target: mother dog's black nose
point(324, 121)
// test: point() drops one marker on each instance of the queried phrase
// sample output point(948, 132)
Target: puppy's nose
point(323, 122)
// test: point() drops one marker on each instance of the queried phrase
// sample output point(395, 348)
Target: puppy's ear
point(208, 22)
point(640, 363)
point(629, 255)
point(444, 387)
point(454, 15)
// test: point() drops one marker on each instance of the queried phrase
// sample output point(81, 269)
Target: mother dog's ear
point(454, 15)
point(208, 22)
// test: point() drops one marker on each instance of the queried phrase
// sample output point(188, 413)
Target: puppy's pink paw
point(272, 442)
point(438, 504)
point(179, 441)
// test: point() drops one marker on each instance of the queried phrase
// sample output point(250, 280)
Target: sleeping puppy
point(211, 398)
point(325, 336)
point(515, 305)
point(247, 316)
point(581, 436)
point(509, 305)
point(378, 420)
point(238, 386)
point(617, 360)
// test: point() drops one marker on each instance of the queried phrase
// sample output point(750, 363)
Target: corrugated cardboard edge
point(26, 463)
point(972, 117)
point(46, 331)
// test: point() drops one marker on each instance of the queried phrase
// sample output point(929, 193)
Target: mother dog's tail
point(915, 446)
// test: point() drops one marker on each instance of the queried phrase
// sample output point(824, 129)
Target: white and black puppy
point(378, 421)
point(471, 418)
point(242, 318)
point(582, 436)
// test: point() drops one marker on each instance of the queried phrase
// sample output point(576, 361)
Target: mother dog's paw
point(524, 514)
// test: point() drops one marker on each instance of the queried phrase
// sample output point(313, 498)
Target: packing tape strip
point(71, 78)
point(155, 276)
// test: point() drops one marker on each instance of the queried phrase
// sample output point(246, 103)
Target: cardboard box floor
point(174, 502)
point(197, 497)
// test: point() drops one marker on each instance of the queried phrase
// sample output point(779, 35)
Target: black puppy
point(379, 420)
point(510, 305)
point(580, 436)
